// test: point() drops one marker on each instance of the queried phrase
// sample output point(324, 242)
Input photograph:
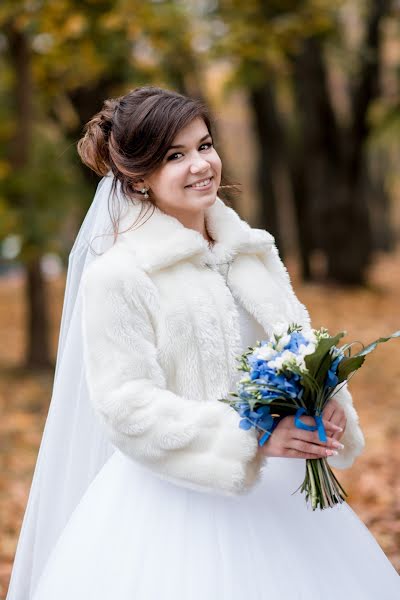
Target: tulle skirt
point(135, 536)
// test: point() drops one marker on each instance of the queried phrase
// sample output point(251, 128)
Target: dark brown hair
point(131, 134)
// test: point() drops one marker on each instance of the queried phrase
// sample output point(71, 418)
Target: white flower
point(265, 352)
point(281, 361)
point(305, 349)
point(301, 364)
point(310, 336)
point(297, 362)
point(282, 342)
point(280, 328)
point(288, 361)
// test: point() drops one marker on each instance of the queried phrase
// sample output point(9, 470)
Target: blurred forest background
point(306, 97)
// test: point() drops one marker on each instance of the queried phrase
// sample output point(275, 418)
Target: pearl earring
point(144, 191)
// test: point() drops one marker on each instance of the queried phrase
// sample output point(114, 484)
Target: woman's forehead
point(196, 129)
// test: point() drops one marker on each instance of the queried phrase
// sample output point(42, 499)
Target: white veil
point(73, 447)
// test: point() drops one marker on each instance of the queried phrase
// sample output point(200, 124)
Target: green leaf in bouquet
point(352, 363)
point(315, 361)
point(318, 365)
point(310, 385)
point(323, 369)
point(348, 365)
point(374, 344)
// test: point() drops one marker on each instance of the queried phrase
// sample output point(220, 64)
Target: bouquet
point(296, 372)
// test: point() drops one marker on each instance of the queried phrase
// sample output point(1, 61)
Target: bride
point(145, 487)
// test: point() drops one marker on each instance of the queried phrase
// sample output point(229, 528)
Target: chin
point(207, 202)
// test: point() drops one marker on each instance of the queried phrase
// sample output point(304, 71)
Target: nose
point(199, 165)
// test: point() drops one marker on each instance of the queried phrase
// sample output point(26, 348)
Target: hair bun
point(107, 113)
point(93, 146)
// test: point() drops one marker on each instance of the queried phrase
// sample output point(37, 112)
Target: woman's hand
point(289, 441)
point(334, 413)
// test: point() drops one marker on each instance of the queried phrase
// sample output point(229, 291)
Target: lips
point(200, 181)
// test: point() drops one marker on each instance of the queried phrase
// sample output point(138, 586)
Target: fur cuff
point(353, 438)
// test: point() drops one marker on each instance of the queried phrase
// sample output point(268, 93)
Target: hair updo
point(131, 134)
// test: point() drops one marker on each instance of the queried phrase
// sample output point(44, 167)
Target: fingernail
point(331, 452)
point(336, 444)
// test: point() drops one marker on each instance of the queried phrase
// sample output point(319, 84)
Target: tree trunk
point(316, 152)
point(302, 214)
point(356, 241)
point(37, 348)
point(270, 135)
point(334, 174)
point(38, 351)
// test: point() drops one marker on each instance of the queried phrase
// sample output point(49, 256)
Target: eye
point(171, 156)
point(207, 144)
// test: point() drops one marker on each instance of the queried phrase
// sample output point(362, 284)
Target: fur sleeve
point(194, 444)
point(352, 438)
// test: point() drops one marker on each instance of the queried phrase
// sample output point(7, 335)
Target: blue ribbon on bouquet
point(319, 424)
point(266, 435)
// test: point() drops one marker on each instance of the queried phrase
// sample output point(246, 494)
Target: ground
point(373, 483)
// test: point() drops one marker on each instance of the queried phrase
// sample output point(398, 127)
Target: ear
point(141, 183)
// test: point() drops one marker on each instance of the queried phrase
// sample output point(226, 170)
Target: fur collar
point(162, 240)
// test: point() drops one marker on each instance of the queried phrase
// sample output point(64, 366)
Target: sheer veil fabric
point(74, 446)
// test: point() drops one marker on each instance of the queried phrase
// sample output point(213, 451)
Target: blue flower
point(288, 384)
point(260, 418)
point(254, 374)
point(296, 340)
point(332, 378)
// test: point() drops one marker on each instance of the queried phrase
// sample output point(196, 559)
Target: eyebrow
point(182, 146)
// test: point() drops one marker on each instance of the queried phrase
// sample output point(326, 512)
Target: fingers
point(339, 434)
point(329, 426)
point(298, 454)
point(287, 440)
point(291, 431)
point(328, 413)
point(316, 450)
point(312, 437)
point(304, 450)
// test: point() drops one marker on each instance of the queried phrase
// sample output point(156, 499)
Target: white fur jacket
point(161, 333)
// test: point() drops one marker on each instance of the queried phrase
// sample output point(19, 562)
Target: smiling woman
point(145, 485)
point(187, 181)
point(137, 135)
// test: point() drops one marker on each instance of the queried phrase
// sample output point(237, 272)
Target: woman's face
point(195, 161)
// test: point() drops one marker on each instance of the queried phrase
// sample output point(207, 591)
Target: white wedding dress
point(135, 536)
